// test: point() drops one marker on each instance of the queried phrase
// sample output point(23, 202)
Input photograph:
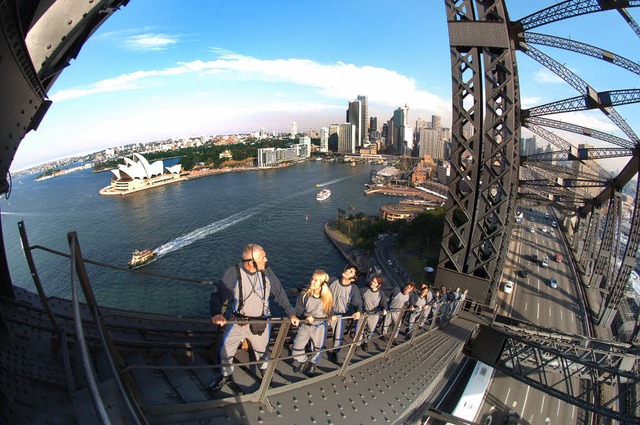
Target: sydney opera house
point(137, 174)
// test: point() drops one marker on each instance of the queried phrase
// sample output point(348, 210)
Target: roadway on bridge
point(535, 300)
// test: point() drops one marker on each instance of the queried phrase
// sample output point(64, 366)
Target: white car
point(532, 230)
point(508, 287)
point(553, 282)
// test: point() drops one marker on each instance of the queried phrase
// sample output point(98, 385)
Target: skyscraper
point(354, 116)
point(431, 143)
point(347, 138)
point(373, 123)
point(402, 133)
point(436, 122)
point(294, 129)
point(364, 119)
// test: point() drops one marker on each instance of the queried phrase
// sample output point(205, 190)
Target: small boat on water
point(140, 258)
point(323, 194)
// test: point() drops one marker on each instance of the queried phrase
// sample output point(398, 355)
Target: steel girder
point(583, 103)
point(538, 357)
point(578, 129)
point(582, 48)
point(590, 238)
point(617, 285)
point(579, 233)
point(604, 265)
point(604, 101)
point(571, 8)
point(482, 194)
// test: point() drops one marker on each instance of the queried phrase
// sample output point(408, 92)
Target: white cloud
point(152, 42)
point(544, 76)
point(338, 80)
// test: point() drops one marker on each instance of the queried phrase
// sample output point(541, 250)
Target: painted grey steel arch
point(484, 147)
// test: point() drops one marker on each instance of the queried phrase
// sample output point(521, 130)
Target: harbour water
point(198, 228)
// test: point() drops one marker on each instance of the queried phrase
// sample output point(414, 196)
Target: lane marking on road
point(525, 306)
point(542, 404)
point(549, 311)
point(560, 314)
point(507, 398)
point(538, 313)
point(525, 401)
point(558, 410)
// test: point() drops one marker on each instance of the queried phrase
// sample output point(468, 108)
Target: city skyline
point(158, 70)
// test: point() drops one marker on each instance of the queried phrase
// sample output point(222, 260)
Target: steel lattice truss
point(535, 356)
point(569, 178)
point(603, 263)
point(484, 147)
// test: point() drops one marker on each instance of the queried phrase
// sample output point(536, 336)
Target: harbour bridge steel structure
point(490, 177)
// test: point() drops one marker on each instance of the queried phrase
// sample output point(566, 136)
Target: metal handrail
point(78, 272)
point(84, 351)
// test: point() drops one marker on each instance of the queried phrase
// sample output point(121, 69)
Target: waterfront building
point(294, 130)
point(324, 139)
point(303, 148)
point(354, 117)
point(138, 174)
point(407, 212)
point(346, 138)
point(267, 157)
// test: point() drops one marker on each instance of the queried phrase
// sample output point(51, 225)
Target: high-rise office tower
point(364, 119)
point(354, 116)
point(324, 139)
point(373, 123)
point(294, 130)
point(347, 138)
point(400, 133)
point(528, 146)
point(420, 124)
point(436, 122)
point(431, 143)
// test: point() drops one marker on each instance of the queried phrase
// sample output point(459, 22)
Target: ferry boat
point(323, 194)
point(140, 258)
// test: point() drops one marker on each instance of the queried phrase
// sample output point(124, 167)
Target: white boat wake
point(334, 181)
point(203, 232)
point(217, 226)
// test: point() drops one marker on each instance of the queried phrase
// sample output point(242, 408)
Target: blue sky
point(165, 69)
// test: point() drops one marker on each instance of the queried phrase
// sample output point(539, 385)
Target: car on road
point(554, 224)
point(553, 282)
point(545, 263)
point(559, 258)
point(532, 230)
point(524, 273)
point(544, 230)
point(508, 287)
point(534, 258)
